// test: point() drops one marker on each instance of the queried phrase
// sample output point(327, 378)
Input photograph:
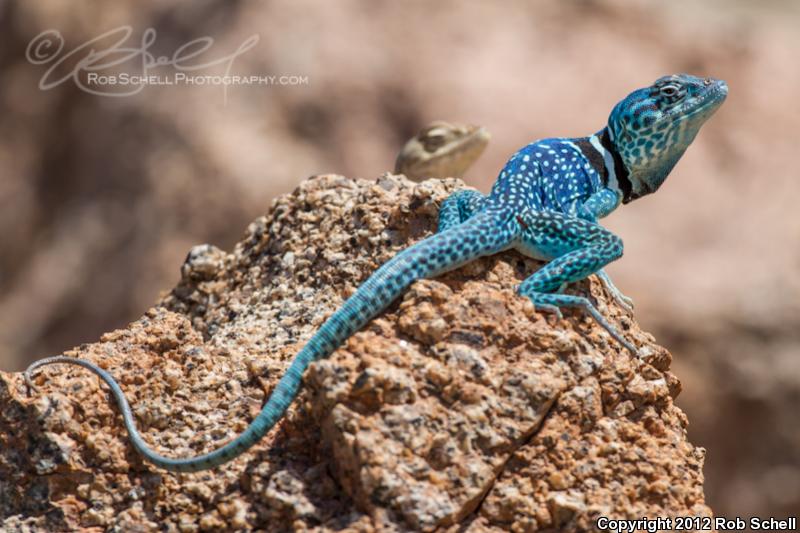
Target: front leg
point(597, 206)
point(578, 248)
point(458, 207)
point(623, 301)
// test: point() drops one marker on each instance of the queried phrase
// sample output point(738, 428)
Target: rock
point(460, 407)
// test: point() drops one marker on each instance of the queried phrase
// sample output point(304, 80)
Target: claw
point(622, 300)
point(589, 308)
point(553, 309)
point(568, 300)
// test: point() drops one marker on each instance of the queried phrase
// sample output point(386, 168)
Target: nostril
point(707, 81)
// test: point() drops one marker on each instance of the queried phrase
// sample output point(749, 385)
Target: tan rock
point(460, 405)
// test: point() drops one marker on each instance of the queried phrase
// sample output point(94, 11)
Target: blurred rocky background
point(102, 197)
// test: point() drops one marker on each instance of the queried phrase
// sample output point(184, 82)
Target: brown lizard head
point(441, 150)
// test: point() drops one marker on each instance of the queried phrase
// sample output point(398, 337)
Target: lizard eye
point(434, 140)
point(669, 91)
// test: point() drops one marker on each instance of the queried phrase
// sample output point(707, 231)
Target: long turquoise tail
point(484, 234)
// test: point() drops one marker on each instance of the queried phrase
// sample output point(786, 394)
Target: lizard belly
point(535, 251)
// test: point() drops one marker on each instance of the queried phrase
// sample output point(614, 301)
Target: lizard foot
point(546, 301)
point(623, 301)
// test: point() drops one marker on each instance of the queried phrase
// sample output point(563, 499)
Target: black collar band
point(596, 159)
point(623, 179)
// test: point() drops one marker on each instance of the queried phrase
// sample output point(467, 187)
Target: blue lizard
point(545, 204)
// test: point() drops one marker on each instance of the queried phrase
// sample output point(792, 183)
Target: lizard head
point(652, 127)
point(441, 150)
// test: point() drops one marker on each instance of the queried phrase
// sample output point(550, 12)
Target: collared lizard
point(545, 204)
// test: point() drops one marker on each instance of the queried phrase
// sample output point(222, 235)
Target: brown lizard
point(441, 150)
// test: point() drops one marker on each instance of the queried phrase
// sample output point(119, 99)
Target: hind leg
point(578, 248)
point(458, 207)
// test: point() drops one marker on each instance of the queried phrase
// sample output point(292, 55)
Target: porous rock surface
point(460, 408)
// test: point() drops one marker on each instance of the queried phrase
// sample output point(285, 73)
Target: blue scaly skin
point(545, 204)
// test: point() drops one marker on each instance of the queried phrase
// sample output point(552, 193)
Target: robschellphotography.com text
point(98, 65)
point(181, 78)
point(697, 523)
